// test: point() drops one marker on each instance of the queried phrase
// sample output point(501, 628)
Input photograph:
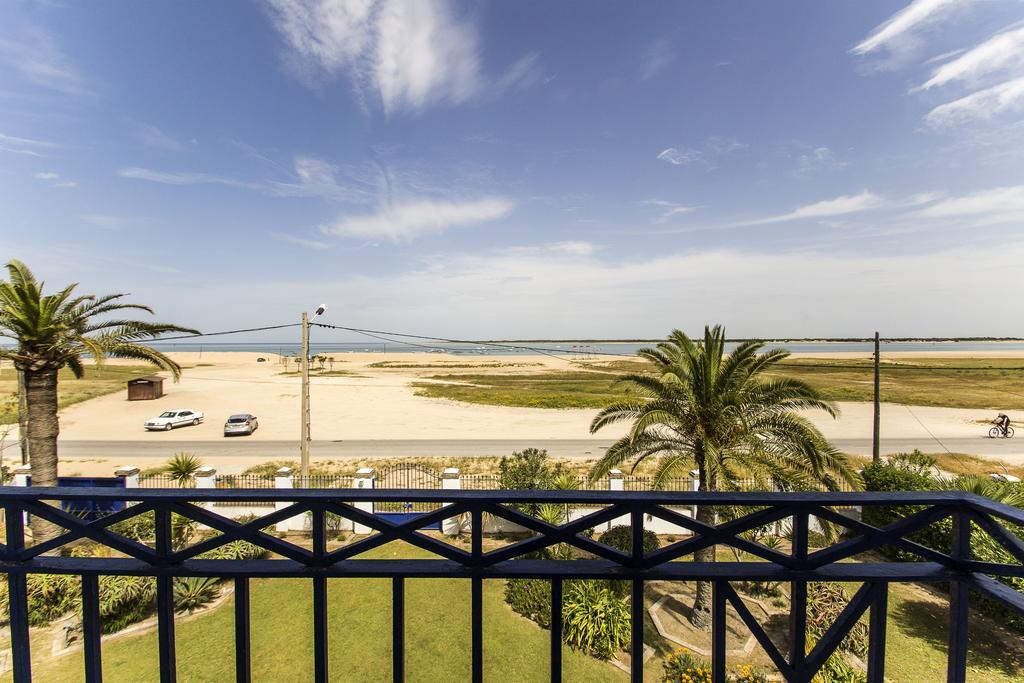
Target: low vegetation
point(96, 382)
point(979, 383)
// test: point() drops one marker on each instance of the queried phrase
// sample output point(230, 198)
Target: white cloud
point(151, 136)
point(668, 209)
point(985, 207)
point(1003, 51)
point(317, 178)
point(54, 179)
point(839, 206)
point(679, 157)
point(305, 243)
point(179, 177)
point(898, 30)
point(28, 146)
point(713, 148)
point(658, 57)
point(36, 57)
point(980, 106)
point(523, 73)
point(408, 54)
point(509, 293)
point(110, 222)
point(812, 160)
point(408, 220)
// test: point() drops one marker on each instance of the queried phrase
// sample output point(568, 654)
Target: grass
point(359, 624)
point(946, 382)
point(97, 382)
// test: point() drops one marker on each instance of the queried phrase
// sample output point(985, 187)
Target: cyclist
point(1003, 422)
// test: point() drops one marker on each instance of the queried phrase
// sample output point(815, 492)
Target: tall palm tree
point(53, 331)
point(700, 407)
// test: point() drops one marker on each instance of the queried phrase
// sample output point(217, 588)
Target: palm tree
point(53, 331)
point(719, 413)
point(182, 468)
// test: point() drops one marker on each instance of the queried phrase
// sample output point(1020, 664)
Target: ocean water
point(568, 349)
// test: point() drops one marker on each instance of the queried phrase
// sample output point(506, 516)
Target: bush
point(527, 469)
point(621, 538)
point(125, 600)
point(825, 602)
point(236, 550)
point(531, 598)
point(682, 667)
point(594, 619)
point(141, 528)
point(909, 473)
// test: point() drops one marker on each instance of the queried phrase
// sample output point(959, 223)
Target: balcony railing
point(799, 512)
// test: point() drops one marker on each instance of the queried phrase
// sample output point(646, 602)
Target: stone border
point(747, 648)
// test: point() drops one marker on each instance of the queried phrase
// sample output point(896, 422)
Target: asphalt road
point(126, 451)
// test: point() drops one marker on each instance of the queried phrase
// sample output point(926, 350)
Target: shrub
point(527, 469)
point(531, 598)
point(182, 468)
point(141, 528)
point(236, 550)
point(747, 674)
point(682, 667)
point(125, 600)
point(194, 592)
point(825, 601)
point(594, 619)
point(621, 538)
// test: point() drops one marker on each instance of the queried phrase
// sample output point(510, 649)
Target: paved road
point(126, 451)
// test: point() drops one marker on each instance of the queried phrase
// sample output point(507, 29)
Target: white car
point(170, 419)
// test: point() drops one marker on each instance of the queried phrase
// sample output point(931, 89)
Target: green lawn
point(359, 613)
point(947, 382)
point(97, 382)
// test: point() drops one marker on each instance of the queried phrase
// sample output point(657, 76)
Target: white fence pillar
point(20, 478)
point(694, 486)
point(283, 479)
point(616, 482)
point(130, 475)
point(364, 479)
point(450, 480)
point(206, 478)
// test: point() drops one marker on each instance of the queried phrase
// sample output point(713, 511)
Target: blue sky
point(527, 169)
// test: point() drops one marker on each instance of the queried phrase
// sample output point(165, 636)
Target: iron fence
point(969, 514)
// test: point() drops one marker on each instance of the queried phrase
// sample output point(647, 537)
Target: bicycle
point(997, 432)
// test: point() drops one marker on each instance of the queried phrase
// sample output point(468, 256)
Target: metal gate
point(406, 477)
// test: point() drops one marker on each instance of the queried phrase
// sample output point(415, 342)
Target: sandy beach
point(380, 404)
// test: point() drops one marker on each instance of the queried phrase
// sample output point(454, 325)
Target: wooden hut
point(145, 388)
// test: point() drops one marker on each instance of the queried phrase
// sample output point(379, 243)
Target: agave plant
point(194, 592)
point(182, 468)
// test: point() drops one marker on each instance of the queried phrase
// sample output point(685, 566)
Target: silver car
point(243, 423)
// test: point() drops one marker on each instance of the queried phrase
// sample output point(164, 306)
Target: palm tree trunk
point(700, 613)
point(22, 418)
point(41, 399)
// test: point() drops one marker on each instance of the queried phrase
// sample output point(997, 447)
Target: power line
point(218, 334)
point(927, 430)
point(378, 334)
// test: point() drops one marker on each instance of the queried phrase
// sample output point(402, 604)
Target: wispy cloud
point(980, 106)
point(54, 179)
point(404, 221)
point(667, 209)
point(407, 55)
point(523, 73)
point(151, 136)
point(713, 149)
point(845, 204)
point(317, 178)
point(180, 177)
point(898, 30)
point(994, 205)
point(1003, 51)
point(658, 57)
point(28, 146)
point(305, 243)
point(35, 55)
point(812, 160)
point(110, 222)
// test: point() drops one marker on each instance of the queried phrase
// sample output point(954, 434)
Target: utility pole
point(875, 449)
point(304, 370)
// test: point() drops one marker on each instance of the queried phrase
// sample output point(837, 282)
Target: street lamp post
point(304, 370)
